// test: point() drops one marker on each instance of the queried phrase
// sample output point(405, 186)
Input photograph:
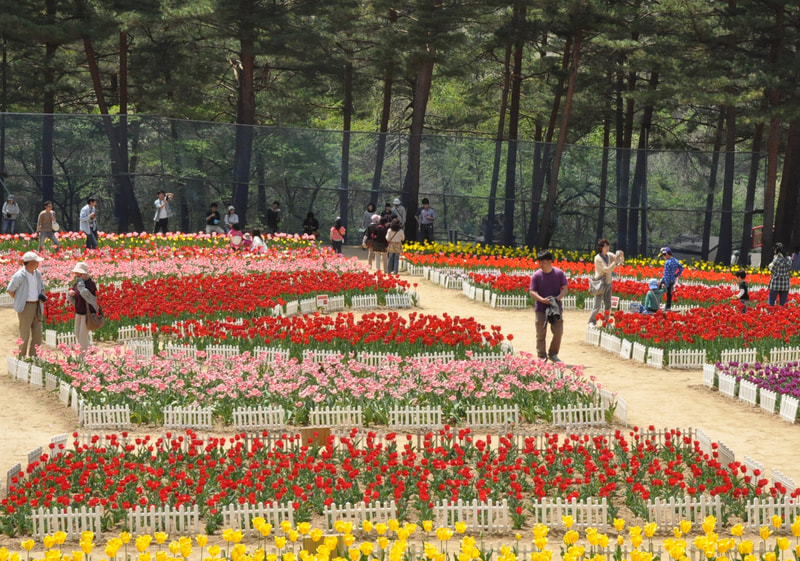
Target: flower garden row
point(394, 540)
point(117, 472)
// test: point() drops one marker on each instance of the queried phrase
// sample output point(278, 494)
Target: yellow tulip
point(257, 522)
point(161, 555)
point(709, 523)
point(619, 524)
point(745, 547)
point(685, 526)
point(540, 543)
point(393, 524)
point(213, 550)
point(77, 555)
point(348, 539)
point(289, 556)
point(186, 548)
point(782, 543)
point(770, 556)
point(265, 530)
point(48, 541)
point(87, 536)
point(540, 531)
point(144, 556)
point(143, 542)
point(777, 522)
point(796, 527)
point(367, 526)
point(636, 540)
point(3, 554)
point(380, 528)
point(60, 537)
point(383, 542)
point(568, 521)
point(332, 543)
point(427, 525)
point(174, 547)
point(354, 554)
point(160, 537)
point(201, 539)
point(403, 533)
point(125, 537)
point(86, 546)
point(765, 532)
point(286, 526)
point(571, 537)
point(602, 541)
point(650, 529)
point(737, 530)
point(461, 527)
point(294, 535)
point(280, 542)
point(27, 545)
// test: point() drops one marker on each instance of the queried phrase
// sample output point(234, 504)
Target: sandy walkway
point(665, 399)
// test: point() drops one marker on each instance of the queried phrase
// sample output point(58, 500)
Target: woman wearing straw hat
point(82, 294)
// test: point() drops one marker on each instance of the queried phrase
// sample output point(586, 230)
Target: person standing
point(82, 295)
point(273, 218)
point(400, 211)
point(369, 238)
point(27, 290)
point(231, 218)
point(368, 217)
point(311, 225)
point(425, 218)
point(88, 222)
point(10, 215)
point(781, 268)
point(743, 295)
point(379, 245)
point(394, 238)
point(337, 235)
point(604, 265)
point(388, 213)
point(672, 270)
point(163, 212)
point(548, 287)
point(46, 226)
point(213, 220)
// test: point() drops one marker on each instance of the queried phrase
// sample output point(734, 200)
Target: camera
point(42, 298)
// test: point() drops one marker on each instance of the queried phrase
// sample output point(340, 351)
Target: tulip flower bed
point(714, 329)
point(118, 472)
point(147, 385)
point(783, 379)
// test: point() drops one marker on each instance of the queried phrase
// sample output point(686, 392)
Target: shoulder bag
point(94, 319)
point(597, 286)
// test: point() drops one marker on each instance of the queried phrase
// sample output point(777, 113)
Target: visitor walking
point(781, 268)
point(337, 235)
point(27, 290)
point(10, 214)
point(379, 245)
point(395, 237)
point(163, 212)
point(425, 218)
point(88, 222)
point(369, 238)
point(46, 226)
point(672, 270)
point(400, 211)
point(604, 265)
point(548, 287)
point(273, 218)
point(82, 295)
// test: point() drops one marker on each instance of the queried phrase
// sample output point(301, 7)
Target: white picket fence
point(364, 302)
point(178, 520)
point(225, 351)
point(402, 300)
point(748, 392)
point(625, 349)
point(271, 354)
point(727, 385)
point(375, 512)
point(592, 336)
point(686, 359)
point(760, 511)
point(767, 400)
point(709, 375)
point(738, 355)
point(579, 416)
point(589, 513)
point(788, 411)
point(72, 521)
point(655, 357)
point(668, 513)
point(491, 516)
point(240, 516)
point(497, 417)
point(784, 355)
point(415, 418)
point(259, 418)
point(196, 418)
point(108, 417)
point(610, 343)
point(337, 417)
point(511, 301)
point(639, 353)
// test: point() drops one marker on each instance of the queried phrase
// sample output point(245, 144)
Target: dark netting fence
point(302, 170)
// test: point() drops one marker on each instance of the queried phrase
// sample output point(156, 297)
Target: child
point(744, 295)
point(652, 301)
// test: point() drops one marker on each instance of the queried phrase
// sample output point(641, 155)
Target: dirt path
point(662, 398)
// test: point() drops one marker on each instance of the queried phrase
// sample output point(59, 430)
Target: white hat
point(376, 217)
point(81, 268)
point(31, 256)
point(396, 201)
point(231, 207)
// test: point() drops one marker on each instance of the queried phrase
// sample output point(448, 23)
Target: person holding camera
point(163, 212)
point(10, 215)
point(88, 222)
point(27, 290)
point(548, 288)
point(213, 220)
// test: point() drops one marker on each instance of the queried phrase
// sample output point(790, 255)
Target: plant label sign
point(322, 301)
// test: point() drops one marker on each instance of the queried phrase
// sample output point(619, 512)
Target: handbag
point(56, 227)
point(94, 320)
point(597, 286)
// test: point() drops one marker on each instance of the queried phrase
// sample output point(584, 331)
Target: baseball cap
point(653, 284)
point(665, 250)
point(11, 198)
point(31, 256)
point(231, 207)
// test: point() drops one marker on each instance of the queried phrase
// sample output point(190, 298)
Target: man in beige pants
point(27, 290)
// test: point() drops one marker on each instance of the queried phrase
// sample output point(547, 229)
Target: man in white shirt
point(27, 290)
point(163, 212)
point(88, 222)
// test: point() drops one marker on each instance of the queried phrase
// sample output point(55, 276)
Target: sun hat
point(653, 284)
point(665, 250)
point(31, 256)
point(396, 201)
point(81, 268)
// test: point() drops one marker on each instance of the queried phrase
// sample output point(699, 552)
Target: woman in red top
point(337, 235)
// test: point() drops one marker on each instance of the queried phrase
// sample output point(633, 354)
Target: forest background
point(525, 122)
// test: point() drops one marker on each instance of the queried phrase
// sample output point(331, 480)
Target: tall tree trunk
point(49, 107)
point(712, 187)
point(545, 230)
point(245, 114)
point(513, 128)
point(347, 119)
point(488, 233)
point(786, 215)
point(386, 113)
point(774, 96)
point(601, 198)
point(640, 172)
point(261, 195)
point(541, 157)
point(750, 196)
point(725, 247)
point(127, 214)
point(422, 90)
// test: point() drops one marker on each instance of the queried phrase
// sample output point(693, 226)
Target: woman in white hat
point(82, 294)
